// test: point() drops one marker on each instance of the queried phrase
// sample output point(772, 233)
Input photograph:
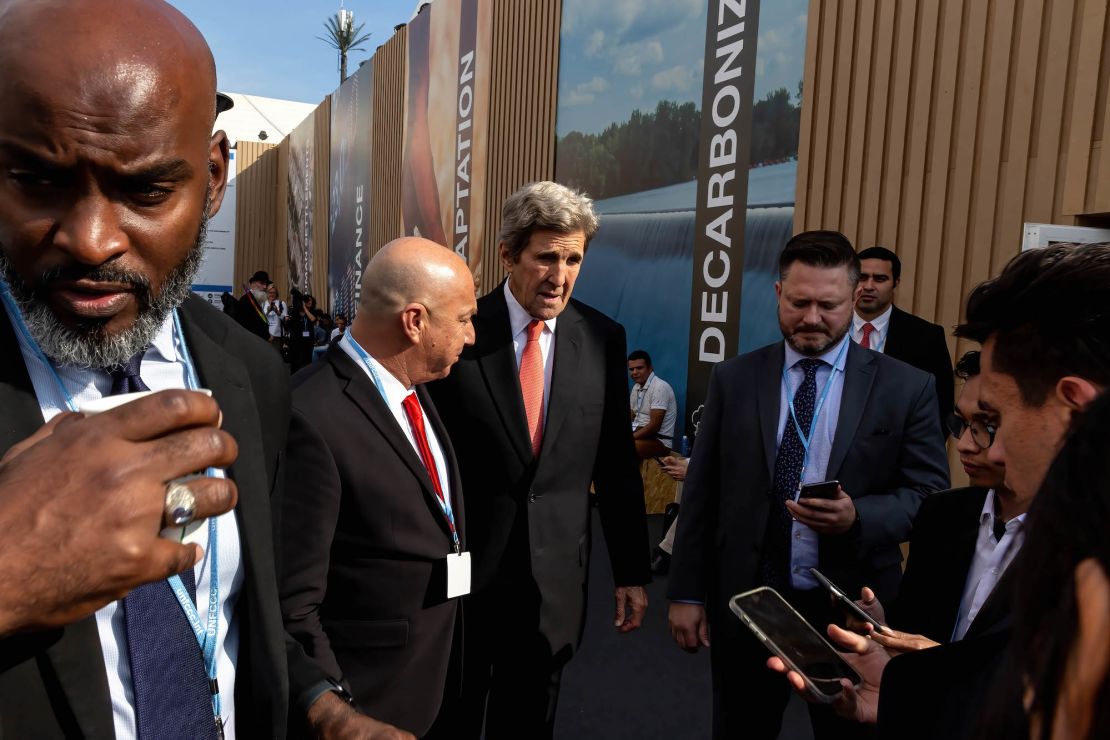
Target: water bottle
point(685, 446)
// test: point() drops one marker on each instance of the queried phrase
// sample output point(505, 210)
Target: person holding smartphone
point(963, 539)
point(813, 408)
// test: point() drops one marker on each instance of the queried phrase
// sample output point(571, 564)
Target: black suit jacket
point(946, 691)
point(53, 684)
point(917, 342)
point(887, 453)
point(941, 549)
point(514, 498)
point(363, 543)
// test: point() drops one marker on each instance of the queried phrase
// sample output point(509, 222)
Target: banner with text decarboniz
point(298, 197)
point(446, 123)
point(349, 203)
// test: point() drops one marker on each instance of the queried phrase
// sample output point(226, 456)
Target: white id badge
point(304, 333)
point(458, 574)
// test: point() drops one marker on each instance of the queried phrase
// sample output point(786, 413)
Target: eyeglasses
point(982, 433)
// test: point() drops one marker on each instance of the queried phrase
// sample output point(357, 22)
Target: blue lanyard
point(443, 502)
point(806, 439)
point(205, 633)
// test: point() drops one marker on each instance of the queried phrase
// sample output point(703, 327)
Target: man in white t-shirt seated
point(652, 407)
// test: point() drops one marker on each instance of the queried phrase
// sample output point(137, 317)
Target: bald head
point(411, 270)
point(417, 303)
point(111, 169)
point(130, 53)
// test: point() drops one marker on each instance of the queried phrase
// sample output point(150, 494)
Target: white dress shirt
point(519, 319)
point(992, 557)
point(162, 368)
point(882, 329)
point(395, 394)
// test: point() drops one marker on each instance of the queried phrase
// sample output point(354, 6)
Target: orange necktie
point(531, 384)
point(865, 342)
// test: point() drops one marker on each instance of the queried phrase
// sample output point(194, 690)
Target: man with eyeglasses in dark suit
point(963, 541)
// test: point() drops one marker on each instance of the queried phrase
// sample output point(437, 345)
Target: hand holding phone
point(845, 602)
point(827, 489)
point(790, 637)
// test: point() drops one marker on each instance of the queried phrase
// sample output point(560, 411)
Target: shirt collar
point(395, 391)
point(987, 515)
point(880, 322)
point(832, 356)
point(163, 347)
point(519, 318)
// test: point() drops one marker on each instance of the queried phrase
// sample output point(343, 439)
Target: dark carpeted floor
point(640, 685)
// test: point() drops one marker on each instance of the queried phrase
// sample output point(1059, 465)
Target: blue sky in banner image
point(620, 55)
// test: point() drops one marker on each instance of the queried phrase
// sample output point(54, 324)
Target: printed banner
point(349, 205)
point(299, 200)
point(656, 122)
point(446, 126)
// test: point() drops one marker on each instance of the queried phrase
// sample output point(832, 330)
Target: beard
point(817, 346)
point(88, 343)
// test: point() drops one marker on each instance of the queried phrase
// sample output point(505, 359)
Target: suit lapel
point(859, 374)
point(361, 391)
point(893, 346)
point(770, 397)
point(22, 413)
point(497, 360)
point(76, 655)
point(564, 373)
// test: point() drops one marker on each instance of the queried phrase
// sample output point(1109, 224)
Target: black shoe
point(660, 562)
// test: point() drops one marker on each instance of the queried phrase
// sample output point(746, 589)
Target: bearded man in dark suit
point(110, 173)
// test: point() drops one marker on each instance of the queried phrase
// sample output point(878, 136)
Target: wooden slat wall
point(256, 218)
point(937, 127)
point(388, 141)
point(321, 193)
point(522, 110)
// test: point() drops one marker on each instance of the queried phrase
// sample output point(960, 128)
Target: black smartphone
point(789, 636)
point(824, 489)
point(844, 599)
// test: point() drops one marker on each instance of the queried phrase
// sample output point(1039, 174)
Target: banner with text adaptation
point(446, 124)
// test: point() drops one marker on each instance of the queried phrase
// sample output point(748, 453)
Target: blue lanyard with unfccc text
point(204, 633)
point(806, 439)
point(443, 502)
point(643, 394)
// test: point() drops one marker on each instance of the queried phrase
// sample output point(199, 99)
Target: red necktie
point(866, 341)
point(531, 385)
point(416, 422)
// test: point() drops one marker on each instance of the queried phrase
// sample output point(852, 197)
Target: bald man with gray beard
point(109, 171)
point(372, 536)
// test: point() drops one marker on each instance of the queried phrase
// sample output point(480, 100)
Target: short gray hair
point(545, 206)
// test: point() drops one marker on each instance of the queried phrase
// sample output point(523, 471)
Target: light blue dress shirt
point(804, 541)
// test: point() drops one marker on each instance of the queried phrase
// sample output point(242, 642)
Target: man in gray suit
point(814, 408)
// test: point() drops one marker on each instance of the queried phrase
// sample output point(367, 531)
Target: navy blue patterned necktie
point(775, 562)
point(172, 698)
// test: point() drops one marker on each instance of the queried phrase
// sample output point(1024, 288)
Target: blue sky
point(270, 48)
point(619, 55)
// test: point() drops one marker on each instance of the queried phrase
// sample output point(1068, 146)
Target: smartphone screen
point(790, 637)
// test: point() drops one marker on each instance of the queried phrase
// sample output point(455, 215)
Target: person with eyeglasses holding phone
point(963, 539)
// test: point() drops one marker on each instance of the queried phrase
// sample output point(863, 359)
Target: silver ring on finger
point(181, 505)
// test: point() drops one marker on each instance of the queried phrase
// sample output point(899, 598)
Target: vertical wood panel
point(388, 112)
point(522, 111)
point(978, 115)
point(255, 209)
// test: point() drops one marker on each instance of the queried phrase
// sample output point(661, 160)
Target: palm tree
point(344, 36)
